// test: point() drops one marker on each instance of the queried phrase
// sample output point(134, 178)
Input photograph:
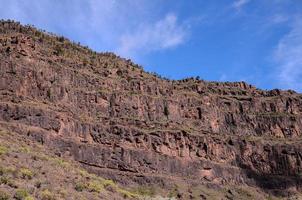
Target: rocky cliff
point(138, 128)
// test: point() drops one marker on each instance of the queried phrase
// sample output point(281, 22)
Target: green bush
point(79, 187)
point(3, 150)
point(94, 186)
point(29, 198)
point(26, 173)
point(127, 194)
point(21, 194)
point(108, 182)
point(4, 180)
point(47, 195)
point(7, 181)
point(84, 173)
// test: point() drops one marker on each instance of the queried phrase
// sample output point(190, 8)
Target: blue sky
point(258, 41)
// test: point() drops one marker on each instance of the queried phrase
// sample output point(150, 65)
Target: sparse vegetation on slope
point(29, 171)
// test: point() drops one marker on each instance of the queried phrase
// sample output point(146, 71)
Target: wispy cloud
point(163, 34)
point(238, 4)
point(288, 55)
point(279, 18)
point(129, 27)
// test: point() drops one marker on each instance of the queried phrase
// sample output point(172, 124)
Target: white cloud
point(288, 55)
point(163, 34)
point(131, 27)
point(238, 4)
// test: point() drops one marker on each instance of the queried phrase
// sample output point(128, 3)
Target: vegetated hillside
point(137, 128)
point(29, 170)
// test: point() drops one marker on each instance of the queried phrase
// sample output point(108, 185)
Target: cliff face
point(124, 123)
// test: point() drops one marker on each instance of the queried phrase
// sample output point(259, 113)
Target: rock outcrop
point(124, 123)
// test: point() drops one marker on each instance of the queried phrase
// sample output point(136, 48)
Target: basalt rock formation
point(136, 127)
